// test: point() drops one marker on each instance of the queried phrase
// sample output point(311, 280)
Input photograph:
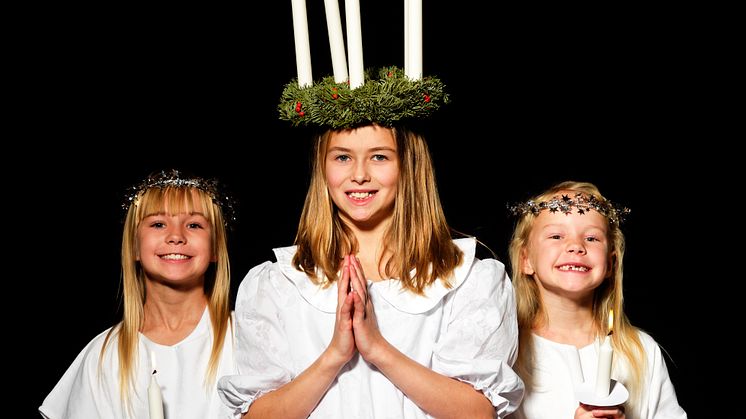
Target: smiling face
point(567, 254)
point(175, 248)
point(362, 171)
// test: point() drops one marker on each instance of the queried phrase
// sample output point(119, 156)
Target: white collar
point(325, 299)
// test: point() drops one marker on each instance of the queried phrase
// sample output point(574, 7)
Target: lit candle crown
point(565, 204)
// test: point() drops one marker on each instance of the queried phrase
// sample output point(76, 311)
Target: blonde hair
point(608, 296)
point(172, 200)
point(418, 238)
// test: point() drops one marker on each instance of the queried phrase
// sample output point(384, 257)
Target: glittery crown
point(176, 179)
point(386, 97)
point(581, 202)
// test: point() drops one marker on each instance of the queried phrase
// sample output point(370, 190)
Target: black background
point(539, 96)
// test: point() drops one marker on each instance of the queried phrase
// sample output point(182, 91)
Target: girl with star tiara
point(176, 285)
point(566, 255)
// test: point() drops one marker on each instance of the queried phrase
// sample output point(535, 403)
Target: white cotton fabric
point(468, 332)
point(87, 392)
point(559, 368)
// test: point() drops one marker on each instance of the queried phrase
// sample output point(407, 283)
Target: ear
point(611, 264)
point(526, 267)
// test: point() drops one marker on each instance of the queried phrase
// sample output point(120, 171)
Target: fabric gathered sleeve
point(480, 341)
point(81, 392)
point(261, 353)
point(663, 403)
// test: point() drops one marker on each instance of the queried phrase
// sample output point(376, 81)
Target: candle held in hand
point(605, 354)
point(155, 397)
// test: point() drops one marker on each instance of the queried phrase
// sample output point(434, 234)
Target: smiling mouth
point(175, 256)
point(575, 268)
point(360, 195)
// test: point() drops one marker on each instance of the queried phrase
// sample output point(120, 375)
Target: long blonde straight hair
point(607, 296)
point(419, 237)
point(173, 200)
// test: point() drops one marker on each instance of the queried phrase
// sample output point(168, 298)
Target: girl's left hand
point(609, 412)
point(368, 338)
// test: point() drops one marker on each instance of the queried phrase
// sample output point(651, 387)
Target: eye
point(379, 157)
point(592, 239)
point(555, 237)
point(194, 225)
point(342, 158)
point(157, 224)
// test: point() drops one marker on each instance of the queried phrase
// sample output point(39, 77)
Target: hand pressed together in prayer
point(356, 327)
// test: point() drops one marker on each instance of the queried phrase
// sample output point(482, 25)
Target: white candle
point(336, 42)
point(413, 26)
point(605, 353)
point(406, 35)
point(354, 43)
point(155, 397)
point(302, 47)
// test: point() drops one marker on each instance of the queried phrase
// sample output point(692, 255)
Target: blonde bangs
point(174, 201)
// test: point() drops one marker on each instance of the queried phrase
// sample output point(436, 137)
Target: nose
point(175, 235)
point(576, 247)
point(360, 173)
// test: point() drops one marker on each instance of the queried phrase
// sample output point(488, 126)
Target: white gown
point(83, 393)
point(560, 368)
point(468, 332)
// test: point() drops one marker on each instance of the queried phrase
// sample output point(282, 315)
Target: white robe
point(87, 392)
point(468, 332)
point(559, 368)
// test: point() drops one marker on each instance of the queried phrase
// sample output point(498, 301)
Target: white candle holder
point(586, 394)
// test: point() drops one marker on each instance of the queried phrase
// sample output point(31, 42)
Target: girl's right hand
point(585, 411)
point(342, 346)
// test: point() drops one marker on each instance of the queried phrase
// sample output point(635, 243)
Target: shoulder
point(650, 346)
point(270, 271)
point(488, 274)
point(92, 351)
point(87, 383)
point(255, 275)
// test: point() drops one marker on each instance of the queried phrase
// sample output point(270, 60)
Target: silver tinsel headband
point(175, 179)
point(583, 203)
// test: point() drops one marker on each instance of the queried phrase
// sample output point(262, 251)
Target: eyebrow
point(553, 225)
point(164, 213)
point(345, 149)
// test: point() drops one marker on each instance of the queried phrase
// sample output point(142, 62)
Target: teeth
point(360, 195)
point(573, 268)
point(174, 256)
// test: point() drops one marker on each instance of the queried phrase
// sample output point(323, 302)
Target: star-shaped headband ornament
point(176, 179)
point(565, 204)
point(353, 97)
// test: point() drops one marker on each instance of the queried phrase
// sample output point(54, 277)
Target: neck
point(568, 320)
point(170, 315)
point(371, 247)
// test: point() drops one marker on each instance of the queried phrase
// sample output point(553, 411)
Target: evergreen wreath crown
point(387, 96)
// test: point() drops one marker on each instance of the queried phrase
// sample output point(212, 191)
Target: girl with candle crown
point(376, 311)
point(566, 255)
point(176, 285)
